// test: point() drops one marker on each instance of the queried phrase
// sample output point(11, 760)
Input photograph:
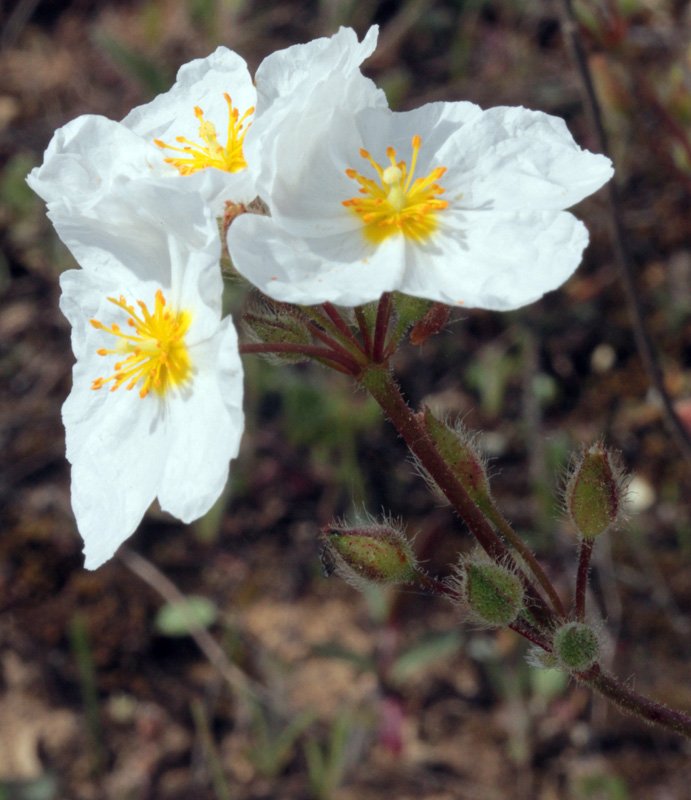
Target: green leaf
point(418, 657)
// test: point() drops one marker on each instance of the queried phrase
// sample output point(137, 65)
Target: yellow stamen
point(156, 354)
point(212, 153)
point(397, 203)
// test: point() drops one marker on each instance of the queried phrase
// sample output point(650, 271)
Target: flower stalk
point(634, 703)
point(383, 388)
point(330, 357)
point(584, 558)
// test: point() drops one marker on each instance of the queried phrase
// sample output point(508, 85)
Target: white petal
point(149, 236)
point(117, 449)
point(434, 123)
point(342, 269)
point(85, 158)
point(498, 261)
point(204, 428)
point(516, 159)
point(299, 91)
point(306, 194)
point(281, 73)
point(202, 83)
point(217, 187)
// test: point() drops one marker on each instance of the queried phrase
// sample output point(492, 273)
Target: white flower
point(446, 202)
point(192, 136)
point(156, 405)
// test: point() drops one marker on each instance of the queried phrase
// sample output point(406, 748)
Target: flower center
point(156, 356)
point(396, 203)
point(211, 153)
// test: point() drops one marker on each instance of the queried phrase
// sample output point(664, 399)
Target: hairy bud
point(576, 646)
point(409, 310)
point(457, 447)
point(273, 322)
point(370, 553)
point(433, 322)
point(493, 593)
point(594, 491)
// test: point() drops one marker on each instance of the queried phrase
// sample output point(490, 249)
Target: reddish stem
point(381, 327)
point(333, 314)
point(381, 385)
point(633, 703)
point(582, 577)
point(364, 330)
point(442, 589)
point(332, 344)
point(348, 365)
point(527, 631)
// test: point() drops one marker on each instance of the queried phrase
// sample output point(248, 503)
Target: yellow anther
point(156, 356)
point(396, 203)
point(211, 153)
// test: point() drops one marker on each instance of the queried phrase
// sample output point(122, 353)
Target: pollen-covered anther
point(397, 202)
point(156, 356)
point(211, 153)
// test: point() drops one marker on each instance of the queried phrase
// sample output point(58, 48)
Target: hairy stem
point(337, 333)
point(333, 314)
point(582, 577)
point(503, 526)
point(338, 360)
point(364, 330)
point(634, 703)
point(381, 327)
point(383, 388)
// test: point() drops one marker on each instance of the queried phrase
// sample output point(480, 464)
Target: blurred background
point(297, 686)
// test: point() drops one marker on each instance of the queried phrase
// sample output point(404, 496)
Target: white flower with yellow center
point(192, 135)
point(156, 405)
point(447, 202)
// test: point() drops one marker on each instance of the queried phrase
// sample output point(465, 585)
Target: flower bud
point(371, 553)
point(433, 322)
point(576, 646)
point(273, 322)
point(493, 593)
point(457, 448)
point(594, 492)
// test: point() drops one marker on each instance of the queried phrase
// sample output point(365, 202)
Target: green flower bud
point(493, 593)
point(594, 492)
point(371, 553)
point(273, 322)
point(409, 309)
point(576, 646)
point(457, 448)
